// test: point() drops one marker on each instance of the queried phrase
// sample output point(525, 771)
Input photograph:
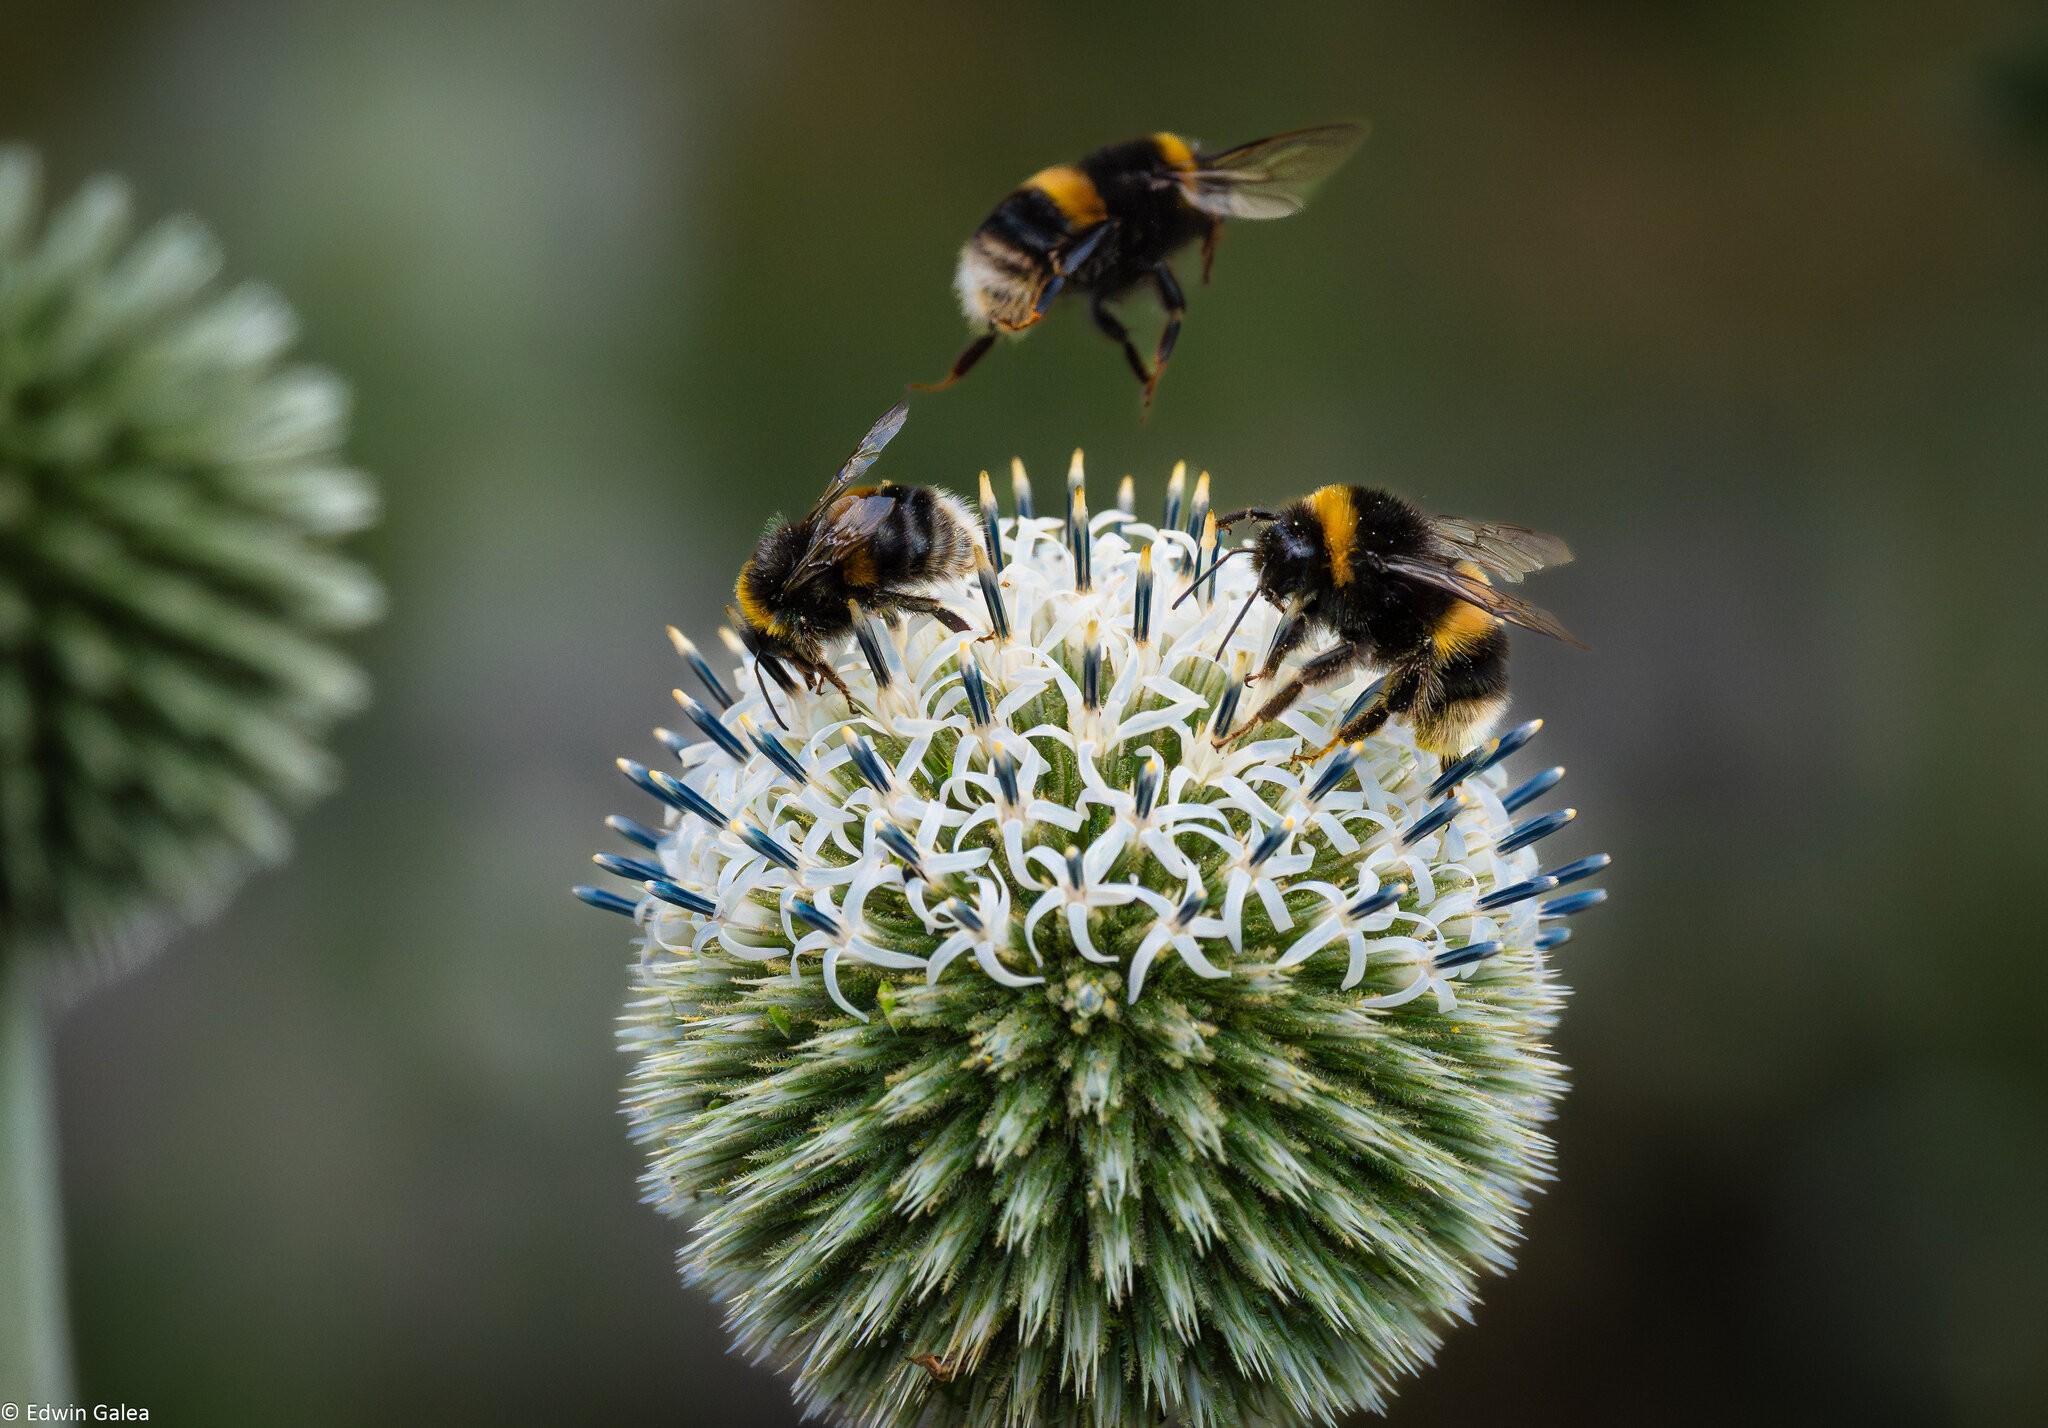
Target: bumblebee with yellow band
point(859, 551)
point(1410, 593)
point(1108, 225)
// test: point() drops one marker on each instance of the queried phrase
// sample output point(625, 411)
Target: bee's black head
point(1289, 554)
point(762, 592)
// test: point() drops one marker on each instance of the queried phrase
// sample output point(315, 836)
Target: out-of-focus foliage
point(168, 494)
point(1745, 300)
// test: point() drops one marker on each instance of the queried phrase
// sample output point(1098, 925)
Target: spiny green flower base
point(952, 1166)
point(168, 494)
point(1243, 1203)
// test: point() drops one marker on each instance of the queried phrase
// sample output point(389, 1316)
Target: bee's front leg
point(831, 675)
point(1286, 640)
point(1326, 667)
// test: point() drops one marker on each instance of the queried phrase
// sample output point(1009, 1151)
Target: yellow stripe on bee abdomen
point(1464, 624)
point(1174, 149)
point(1072, 192)
point(1338, 517)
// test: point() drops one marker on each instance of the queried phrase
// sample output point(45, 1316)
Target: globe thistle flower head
point(1023, 1046)
point(169, 491)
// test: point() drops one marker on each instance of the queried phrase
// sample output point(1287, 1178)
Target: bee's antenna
point(1242, 611)
point(762, 680)
point(1249, 513)
point(1199, 579)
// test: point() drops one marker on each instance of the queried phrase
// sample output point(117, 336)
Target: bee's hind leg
point(1176, 304)
point(962, 365)
point(1113, 328)
point(1286, 640)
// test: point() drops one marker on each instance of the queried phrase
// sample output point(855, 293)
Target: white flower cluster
point(1073, 762)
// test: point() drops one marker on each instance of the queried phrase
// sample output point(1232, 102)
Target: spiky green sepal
point(169, 496)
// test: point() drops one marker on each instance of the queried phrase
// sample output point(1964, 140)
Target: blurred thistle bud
point(169, 496)
point(1019, 1053)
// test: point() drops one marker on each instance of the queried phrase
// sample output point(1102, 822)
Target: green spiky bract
point(169, 495)
point(1098, 1092)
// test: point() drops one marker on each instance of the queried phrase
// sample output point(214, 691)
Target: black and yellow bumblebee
point(1410, 593)
point(1108, 224)
point(860, 550)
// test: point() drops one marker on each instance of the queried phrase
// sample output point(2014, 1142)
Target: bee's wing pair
point(1509, 551)
point(1269, 178)
point(837, 534)
point(879, 435)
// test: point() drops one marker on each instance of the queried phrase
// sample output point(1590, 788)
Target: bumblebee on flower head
point(1410, 593)
point(859, 550)
point(1108, 225)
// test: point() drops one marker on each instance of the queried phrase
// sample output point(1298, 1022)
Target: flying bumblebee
point(1108, 224)
point(871, 549)
point(1410, 593)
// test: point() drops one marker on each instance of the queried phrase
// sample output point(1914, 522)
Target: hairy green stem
point(35, 1343)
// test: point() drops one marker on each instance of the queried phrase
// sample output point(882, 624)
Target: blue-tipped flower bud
point(1573, 902)
point(606, 901)
point(632, 869)
point(633, 832)
point(1531, 789)
point(700, 667)
point(711, 726)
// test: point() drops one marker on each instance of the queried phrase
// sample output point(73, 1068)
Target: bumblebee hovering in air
point(1108, 224)
point(1410, 593)
point(861, 549)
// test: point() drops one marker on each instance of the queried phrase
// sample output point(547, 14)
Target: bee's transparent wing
point(1475, 591)
point(836, 533)
point(1269, 178)
point(1509, 551)
point(879, 435)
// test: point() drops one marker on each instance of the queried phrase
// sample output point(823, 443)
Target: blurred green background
point(1748, 299)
